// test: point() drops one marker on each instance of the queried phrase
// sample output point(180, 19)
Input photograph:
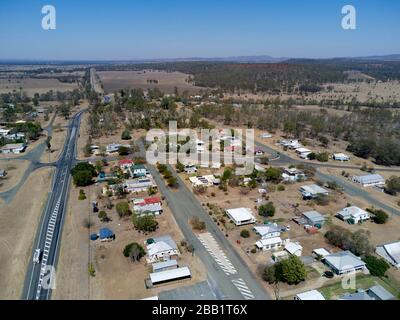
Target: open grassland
point(167, 81)
point(31, 86)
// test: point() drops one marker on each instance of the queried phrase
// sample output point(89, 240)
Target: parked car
point(328, 274)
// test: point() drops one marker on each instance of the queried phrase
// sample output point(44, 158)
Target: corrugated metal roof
point(172, 274)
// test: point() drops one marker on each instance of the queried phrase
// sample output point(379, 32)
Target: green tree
point(126, 135)
point(84, 166)
point(103, 216)
point(245, 233)
point(123, 209)
point(227, 174)
point(83, 178)
point(291, 270)
point(393, 185)
point(123, 151)
point(380, 216)
point(172, 182)
point(134, 251)
point(273, 174)
point(267, 210)
point(376, 266)
point(146, 223)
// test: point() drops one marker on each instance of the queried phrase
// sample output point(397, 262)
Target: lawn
point(334, 291)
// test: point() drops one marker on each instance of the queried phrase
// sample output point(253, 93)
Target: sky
point(151, 29)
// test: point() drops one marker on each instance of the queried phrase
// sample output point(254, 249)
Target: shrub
point(197, 224)
point(145, 223)
point(126, 135)
point(134, 250)
point(380, 216)
point(82, 195)
point(281, 187)
point(245, 233)
point(103, 215)
point(172, 182)
point(91, 270)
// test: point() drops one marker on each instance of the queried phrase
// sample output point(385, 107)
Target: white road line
point(244, 290)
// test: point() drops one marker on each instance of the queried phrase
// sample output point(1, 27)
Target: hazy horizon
point(177, 29)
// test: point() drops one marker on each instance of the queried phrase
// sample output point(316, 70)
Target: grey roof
point(344, 260)
point(380, 292)
point(153, 207)
point(314, 216)
point(390, 252)
point(265, 229)
point(164, 264)
point(359, 295)
point(167, 239)
point(369, 178)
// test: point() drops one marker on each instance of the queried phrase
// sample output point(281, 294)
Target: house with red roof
point(125, 164)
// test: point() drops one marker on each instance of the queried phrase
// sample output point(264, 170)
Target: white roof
point(158, 247)
point(353, 211)
point(390, 252)
point(267, 242)
point(340, 155)
point(151, 298)
point(240, 214)
point(314, 189)
point(293, 247)
point(265, 229)
point(302, 150)
point(344, 260)
point(321, 252)
point(369, 178)
point(310, 295)
point(164, 264)
point(177, 273)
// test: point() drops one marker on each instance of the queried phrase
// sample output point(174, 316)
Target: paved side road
point(50, 228)
point(234, 280)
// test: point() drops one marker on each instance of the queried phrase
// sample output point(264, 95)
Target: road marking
point(212, 247)
point(47, 245)
point(243, 289)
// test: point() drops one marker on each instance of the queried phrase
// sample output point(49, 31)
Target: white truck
point(37, 255)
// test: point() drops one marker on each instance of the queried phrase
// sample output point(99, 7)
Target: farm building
point(13, 148)
point(340, 157)
point(313, 191)
point(165, 265)
point(170, 275)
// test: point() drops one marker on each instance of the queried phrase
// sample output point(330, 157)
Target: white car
point(37, 256)
point(287, 228)
point(307, 226)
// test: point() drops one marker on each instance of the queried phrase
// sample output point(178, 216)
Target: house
point(137, 170)
point(344, 262)
point(13, 148)
point(15, 136)
point(304, 155)
point(165, 265)
point(380, 293)
point(204, 181)
point(269, 243)
point(3, 173)
point(353, 214)
point(267, 231)
point(161, 249)
point(291, 144)
point(292, 175)
point(301, 151)
point(309, 295)
point(359, 295)
point(151, 205)
point(4, 132)
point(390, 252)
point(369, 180)
point(113, 147)
point(139, 184)
point(314, 218)
point(294, 248)
point(125, 164)
point(190, 169)
point(106, 234)
point(340, 157)
point(241, 216)
point(313, 191)
point(170, 275)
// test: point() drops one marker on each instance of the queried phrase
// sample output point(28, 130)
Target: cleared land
point(167, 81)
point(31, 86)
point(18, 225)
point(15, 170)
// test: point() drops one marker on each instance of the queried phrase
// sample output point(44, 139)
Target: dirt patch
point(15, 170)
point(18, 225)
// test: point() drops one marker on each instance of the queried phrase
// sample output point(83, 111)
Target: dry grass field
point(167, 81)
point(31, 86)
point(18, 225)
point(15, 170)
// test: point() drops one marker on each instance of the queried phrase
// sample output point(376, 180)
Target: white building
point(241, 216)
point(309, 295)
point(13, 148)
point(266, 231)
point(202, 181)
point(301, 151)
point(313, 191)
point(151, 205)
point(170, 275)
point(390, 252)
point(265, 135)
point(269, 243)
point(294, 248)
point(370, 180)
point(291, 144)
point(190, 169)
point(292, 175)
point(354, 213)
point(4, 132)
point(340, 157)
point(344, 262)
point(161, 249)
point(139, 184)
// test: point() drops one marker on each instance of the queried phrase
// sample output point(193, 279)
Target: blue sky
point(144, 29)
